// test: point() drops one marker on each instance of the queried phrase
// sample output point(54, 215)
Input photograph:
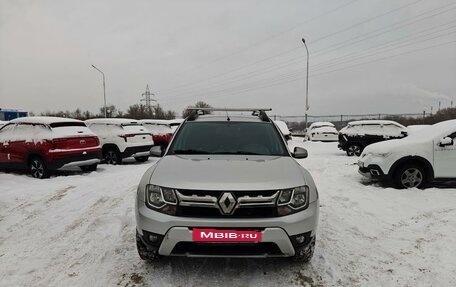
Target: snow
point(283, 127)
point(112, 121)
point(374, 127)
point(44, 120)
point(78, 230)
point(321, 124)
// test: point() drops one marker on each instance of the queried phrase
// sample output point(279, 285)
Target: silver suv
point(227, 186)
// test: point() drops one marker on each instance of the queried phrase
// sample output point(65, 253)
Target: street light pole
point(104, 90)
point(307, 81)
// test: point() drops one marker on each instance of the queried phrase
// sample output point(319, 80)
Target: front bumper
point(371, 171)
point(278, 231)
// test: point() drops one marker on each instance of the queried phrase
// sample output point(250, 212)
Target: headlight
point(161, 199)
point(293, 200)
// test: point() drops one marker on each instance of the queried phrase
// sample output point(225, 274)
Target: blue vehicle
point(10, 114)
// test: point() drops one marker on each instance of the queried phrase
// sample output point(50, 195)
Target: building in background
point(10, 114)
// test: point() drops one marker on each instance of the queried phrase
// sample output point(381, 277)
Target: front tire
point(149, 254)
point(38, 168)
point(305, 253)
point(410, 176)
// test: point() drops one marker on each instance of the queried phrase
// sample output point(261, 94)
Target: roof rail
point(260, 112)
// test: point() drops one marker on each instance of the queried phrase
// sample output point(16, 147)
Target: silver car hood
point(222, 172)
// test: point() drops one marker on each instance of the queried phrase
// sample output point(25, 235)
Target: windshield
point(228, 138)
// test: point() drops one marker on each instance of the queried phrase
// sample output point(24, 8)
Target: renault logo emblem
point(227, 203)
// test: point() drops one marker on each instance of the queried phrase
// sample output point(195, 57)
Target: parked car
point(357, 135)
point(422, 157)
point(160, 129)
point(415, 128)
point(175, 123)
point(283, 129)
point(122, 138)
point(227, 187)
point(45, 144)
point(322, 131)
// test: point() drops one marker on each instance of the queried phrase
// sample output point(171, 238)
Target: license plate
point(224, 235)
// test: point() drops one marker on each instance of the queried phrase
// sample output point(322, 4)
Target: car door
point(6, 134)
point(21, 142)
point(445, 157)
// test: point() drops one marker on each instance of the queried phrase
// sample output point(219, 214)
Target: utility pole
point(307, 81)
point(147, 97)
point(104, 89)
point(439, 105)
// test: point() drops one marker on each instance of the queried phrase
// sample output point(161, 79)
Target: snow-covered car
point(283, 129)
point(322, 131)
point(415, 128)
point(160, 129)
point(422, 157)
point(2, 123)
point(358, 134)
point(122, 138)
point(227, 187)
point(45, 144)
point(175, 123)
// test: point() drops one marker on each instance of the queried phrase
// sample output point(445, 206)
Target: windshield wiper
point(190, 151)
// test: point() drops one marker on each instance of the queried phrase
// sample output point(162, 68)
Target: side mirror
point(446, 141)
point(157, 151)
point(300, 152)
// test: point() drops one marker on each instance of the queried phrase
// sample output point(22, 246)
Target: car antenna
point(227, 116)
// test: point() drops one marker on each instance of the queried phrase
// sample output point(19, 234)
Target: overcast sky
point(366, 56)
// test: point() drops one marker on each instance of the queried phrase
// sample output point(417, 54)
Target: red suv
point(45, 144)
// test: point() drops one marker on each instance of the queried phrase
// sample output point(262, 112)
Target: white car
point(283, 129)
point(122, 138)
point(422, 157)
point(322, 131)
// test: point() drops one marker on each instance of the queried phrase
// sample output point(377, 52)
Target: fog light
point(300, 239)
point(153, 238)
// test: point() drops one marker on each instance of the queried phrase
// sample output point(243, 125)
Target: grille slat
point(205, 203)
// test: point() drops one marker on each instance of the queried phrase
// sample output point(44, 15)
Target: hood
point(405, 144)
point(223, 172)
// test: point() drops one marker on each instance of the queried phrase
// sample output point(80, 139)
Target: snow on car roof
point(44, 120)
point(321, 124)
point(429, 132)
point(112, 121)
point(283, 127)
point(154, 121)
point(374, 122)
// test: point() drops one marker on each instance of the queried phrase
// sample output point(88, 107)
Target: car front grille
point(226, 249)
point(241, 204)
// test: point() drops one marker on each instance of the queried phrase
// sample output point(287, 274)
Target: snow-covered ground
point(78, 230)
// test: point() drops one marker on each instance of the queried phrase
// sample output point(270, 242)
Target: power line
point(321, 38)
point(300, 78)
point(272, 37)
point(334, 61)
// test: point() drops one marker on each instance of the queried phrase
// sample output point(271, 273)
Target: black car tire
point(112, 156)
point(409, 176)
point(354, 149)
point(305, 253)
point(146, 253)
point(38, 169)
